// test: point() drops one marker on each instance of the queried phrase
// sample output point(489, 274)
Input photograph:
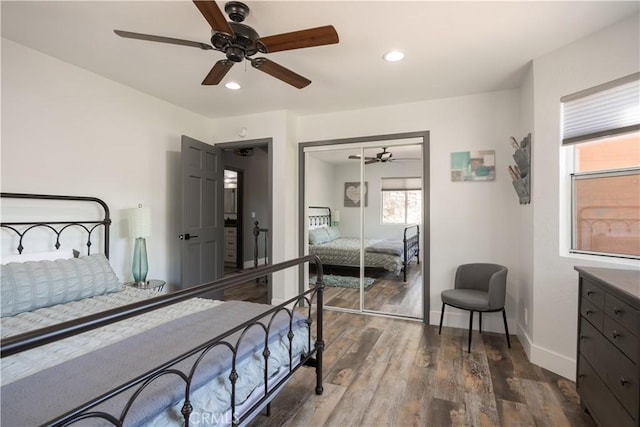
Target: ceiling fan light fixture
point(233, 85)
point(393, 56)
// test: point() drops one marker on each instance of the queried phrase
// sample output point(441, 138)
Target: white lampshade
point(139, 222)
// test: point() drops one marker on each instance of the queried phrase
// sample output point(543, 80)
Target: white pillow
point(38, 256)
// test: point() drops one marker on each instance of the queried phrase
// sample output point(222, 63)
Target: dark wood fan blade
point(280, 72)
point(357, 157)
point(300, 39)
point(217, 73)
point(374, 160)
point(214, 16)
point(162, 39)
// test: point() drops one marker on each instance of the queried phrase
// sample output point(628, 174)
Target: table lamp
point(139, 228)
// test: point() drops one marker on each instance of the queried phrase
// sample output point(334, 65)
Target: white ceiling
point(452, 48)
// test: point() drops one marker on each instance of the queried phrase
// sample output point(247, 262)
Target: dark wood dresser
point(608, 361)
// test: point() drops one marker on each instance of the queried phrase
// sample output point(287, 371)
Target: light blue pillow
point(318, 236)
point(334, 233)
point(26, 286)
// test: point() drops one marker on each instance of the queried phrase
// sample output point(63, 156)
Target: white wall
point(609, 54)
point(470, 221)
point(278, 126)
point(525, 235)
point(68, 131)
point(322, 193)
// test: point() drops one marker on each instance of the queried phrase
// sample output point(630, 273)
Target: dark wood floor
point(380, 371)
point(387, 372)
point(388, 294)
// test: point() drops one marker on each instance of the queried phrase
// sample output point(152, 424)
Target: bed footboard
point(183, 367)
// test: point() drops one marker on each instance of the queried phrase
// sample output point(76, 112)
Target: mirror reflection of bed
point(390, 285)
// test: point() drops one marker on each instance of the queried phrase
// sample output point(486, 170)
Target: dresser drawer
point(595, 394)
point(622, 312)
point(618, 372)
point(230, 242)
point(228, 231)
point(592, 313)
point(230, 256)
point(592, 293)
point(620, 336)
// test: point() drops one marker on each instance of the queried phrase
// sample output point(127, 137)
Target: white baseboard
point(550, 360)
point(492, 322)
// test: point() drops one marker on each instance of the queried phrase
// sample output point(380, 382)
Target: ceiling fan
point(239, 41)
point(382, 157)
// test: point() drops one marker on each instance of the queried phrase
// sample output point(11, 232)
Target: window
point(401, 201)
point(601, 129)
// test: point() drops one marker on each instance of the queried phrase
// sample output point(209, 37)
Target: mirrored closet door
point(364, 209)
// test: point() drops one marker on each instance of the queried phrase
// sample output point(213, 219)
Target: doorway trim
point(426, 228)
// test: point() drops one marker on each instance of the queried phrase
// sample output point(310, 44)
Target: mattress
point(346, 251)
point(212, 397)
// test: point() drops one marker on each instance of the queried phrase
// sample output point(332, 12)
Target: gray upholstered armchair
point(478, 287)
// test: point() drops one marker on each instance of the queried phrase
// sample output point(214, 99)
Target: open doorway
point(233, 228)
point(247, 201)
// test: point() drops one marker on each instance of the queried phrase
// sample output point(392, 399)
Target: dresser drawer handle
point(582, 337)
point(588, 312)
point(617, 311)
point(623, 381)
point(589, 292)
point(615, 334)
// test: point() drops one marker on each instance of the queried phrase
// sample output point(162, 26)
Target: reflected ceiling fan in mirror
point(382, 157)
point(239, 42)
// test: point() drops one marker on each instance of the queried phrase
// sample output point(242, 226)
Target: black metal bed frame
point(411, 243)
point(58, 227)
point(310, 299)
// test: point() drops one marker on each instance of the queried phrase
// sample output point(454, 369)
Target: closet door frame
point(425, 228)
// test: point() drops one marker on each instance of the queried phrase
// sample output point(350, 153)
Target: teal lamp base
point(140, 265)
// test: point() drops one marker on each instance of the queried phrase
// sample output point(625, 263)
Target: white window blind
point(609, 109)
point(400, 184)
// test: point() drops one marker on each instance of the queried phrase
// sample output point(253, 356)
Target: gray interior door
point(202, 220)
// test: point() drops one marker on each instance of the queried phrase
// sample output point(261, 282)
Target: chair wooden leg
point(441, 317)
point(480, 314)
point(470, 328)
point(506, 328)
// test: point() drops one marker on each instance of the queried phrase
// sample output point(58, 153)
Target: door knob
point(186, 236)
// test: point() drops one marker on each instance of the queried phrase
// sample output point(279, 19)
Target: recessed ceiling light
point(393, 56)
point(232, 86)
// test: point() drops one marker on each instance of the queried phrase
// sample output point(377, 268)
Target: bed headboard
point(320, 220)
point(91, 227)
